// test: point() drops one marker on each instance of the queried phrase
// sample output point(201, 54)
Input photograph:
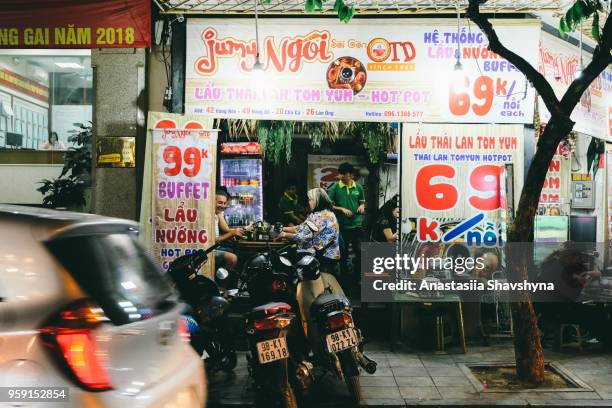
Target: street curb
point(395, 403)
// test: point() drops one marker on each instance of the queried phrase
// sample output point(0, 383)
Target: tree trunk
point(527, 345)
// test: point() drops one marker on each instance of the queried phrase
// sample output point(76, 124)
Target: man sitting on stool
point(223, 257)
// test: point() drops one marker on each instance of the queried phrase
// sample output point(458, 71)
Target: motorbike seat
point(268, 309)
point(329, 302)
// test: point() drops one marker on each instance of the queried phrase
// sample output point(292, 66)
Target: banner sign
point(24, 85)
point(323, 169)
point(368, 70)
point(555, 191)
point(75, 24)
point(183, 193)
point(558, 62)
point(453, 172)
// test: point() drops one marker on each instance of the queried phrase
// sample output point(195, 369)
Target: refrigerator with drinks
point(241, 173)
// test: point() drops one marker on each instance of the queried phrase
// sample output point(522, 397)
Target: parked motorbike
point(269, 327)
point(335, 340)
point(327, 338)
point(207, 322)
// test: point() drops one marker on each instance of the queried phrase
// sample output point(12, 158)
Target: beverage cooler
point(241, 172)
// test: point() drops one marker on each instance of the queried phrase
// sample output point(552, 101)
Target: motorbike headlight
point(222, 273)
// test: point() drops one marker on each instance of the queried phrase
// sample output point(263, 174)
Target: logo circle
point(378, 49)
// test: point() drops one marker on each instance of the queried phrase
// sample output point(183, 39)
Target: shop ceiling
point(549, 10)
point(363, 7)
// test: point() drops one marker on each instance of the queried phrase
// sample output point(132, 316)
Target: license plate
point(341, 340)
point(272, 350)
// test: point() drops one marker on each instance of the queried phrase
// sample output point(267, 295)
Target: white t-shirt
point(216, 226)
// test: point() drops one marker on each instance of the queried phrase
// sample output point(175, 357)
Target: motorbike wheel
point(354, 386)
point(351, 375)
point(228, 363)
point(288, 399)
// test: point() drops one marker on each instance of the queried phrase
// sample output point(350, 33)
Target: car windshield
point(117, 273)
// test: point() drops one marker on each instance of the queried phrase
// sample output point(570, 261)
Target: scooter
point(207, 322)
point(270, 284)
point(326, 316)
point(326, 328)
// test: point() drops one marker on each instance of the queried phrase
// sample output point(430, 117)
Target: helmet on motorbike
point(308, 267)
point(257, 264)
point(216, 306)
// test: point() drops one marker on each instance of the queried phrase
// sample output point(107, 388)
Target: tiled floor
point(409, 379)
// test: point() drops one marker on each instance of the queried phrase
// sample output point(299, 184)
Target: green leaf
point(318, 4)
point(570, 19)
point(338, 5)
point(310, 6)
point(563, 28)
point(346, 13)
point(595, 27)
point(591, 153)
point(579, 10)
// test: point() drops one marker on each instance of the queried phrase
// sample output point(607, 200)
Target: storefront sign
point(75, 24)
point(323, 169)
point(23, 85)
point(556, 185)
point(183, 193)
point(368, 70)
point(452, 172)
point(115, 151)
point(558, 62)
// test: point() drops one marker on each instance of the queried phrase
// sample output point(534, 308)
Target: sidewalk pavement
point(405, 379)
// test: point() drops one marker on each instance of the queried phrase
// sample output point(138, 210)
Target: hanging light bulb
point(578, 72)
point(458, 74)
point(258, 66)
point(458, 66)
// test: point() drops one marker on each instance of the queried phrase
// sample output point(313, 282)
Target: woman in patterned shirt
point(323, 217)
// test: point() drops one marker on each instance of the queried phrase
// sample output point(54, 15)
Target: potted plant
point(69, 190)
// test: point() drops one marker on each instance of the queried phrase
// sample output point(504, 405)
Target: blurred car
point(83, 306)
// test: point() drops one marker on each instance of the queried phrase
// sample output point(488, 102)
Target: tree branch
point(601, 59)
point(533, 75)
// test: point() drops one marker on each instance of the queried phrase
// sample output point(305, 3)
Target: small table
point(448, 298)
point(260, 246)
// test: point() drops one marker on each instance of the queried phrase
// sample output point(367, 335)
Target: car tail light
point(279, 286)
point(339, 321)
point(69, 335)
point(183, 328)
point(273, 322)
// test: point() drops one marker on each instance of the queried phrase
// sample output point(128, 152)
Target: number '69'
point(437, 195)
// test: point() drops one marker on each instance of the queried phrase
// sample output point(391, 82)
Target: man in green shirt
point(349, 203)
point(288, 205)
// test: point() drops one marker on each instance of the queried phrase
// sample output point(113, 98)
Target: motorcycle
point(325, 335)
point(207, 323)
point(269, 327)
point(326, 313)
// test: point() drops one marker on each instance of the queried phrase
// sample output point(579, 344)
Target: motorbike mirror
point(312, 227)
point(222, 273)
